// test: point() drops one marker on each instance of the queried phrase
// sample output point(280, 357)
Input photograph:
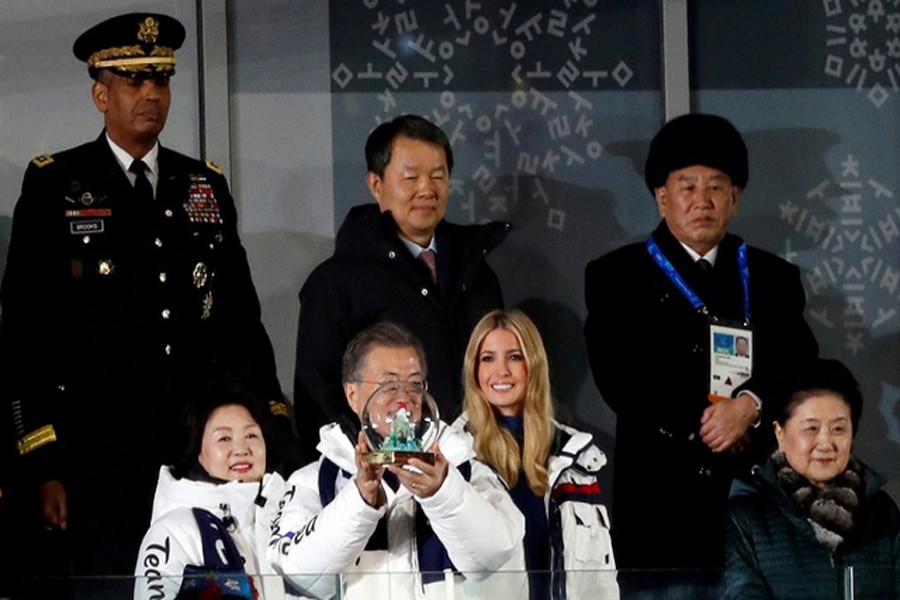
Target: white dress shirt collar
point(124, 159)
point(695, 256)
point(416, 249)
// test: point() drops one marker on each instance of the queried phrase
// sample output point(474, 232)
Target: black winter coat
point(649, 354)
point(372, 277)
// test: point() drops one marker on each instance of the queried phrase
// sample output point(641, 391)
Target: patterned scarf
point(831, 509)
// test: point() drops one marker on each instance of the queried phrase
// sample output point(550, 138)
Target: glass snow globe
point(401, 421)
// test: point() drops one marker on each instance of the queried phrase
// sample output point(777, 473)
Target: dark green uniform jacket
point(772, 551)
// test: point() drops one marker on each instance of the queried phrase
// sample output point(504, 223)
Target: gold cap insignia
point(148, 30)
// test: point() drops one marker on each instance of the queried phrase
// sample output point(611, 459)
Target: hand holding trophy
point(400, 421)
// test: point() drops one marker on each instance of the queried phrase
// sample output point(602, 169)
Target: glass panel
point(658, 585)
point(813, 86)
point(534, 98)
point(549, 107)
point(853, 583)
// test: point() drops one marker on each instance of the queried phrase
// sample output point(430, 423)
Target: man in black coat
point(126, 289)
point(397, 260)
point(652, 308)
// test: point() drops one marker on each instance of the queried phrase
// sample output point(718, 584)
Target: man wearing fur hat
point(126, 288)
point(687, 411)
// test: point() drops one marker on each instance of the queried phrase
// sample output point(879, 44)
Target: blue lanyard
point(688, 292)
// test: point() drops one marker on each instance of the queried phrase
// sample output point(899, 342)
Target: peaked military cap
point(696, 139)
point(136, 45)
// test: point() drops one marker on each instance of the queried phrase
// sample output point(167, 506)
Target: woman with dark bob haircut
point(814, 510)
point(211, 512)
point(220, 392)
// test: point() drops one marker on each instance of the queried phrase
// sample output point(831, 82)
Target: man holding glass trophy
point(399, 507)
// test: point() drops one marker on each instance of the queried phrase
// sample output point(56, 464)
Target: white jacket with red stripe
point(581, 546)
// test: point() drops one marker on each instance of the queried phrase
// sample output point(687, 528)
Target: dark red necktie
point(428, 257)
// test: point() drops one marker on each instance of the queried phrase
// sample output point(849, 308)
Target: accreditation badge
point(730, 357)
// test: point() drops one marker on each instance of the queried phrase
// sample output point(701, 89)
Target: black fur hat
point(696, 139)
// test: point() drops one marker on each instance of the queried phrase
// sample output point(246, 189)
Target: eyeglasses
point(410, 391)
point(395, 385)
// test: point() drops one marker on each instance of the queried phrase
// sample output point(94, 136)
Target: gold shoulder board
point(37, 438)
point(42, 161)
point(213, 167)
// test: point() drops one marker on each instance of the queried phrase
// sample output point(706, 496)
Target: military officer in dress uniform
point(126, 287)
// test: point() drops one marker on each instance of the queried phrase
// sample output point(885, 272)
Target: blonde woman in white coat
point(551, 469)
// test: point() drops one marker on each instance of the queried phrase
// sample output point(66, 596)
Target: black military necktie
point(142, 188)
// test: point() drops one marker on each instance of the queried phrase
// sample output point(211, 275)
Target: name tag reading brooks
point(91, 226)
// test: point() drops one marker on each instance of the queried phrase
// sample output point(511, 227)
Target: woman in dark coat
point(815, 523)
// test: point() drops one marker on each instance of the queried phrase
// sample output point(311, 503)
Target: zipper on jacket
point(227, 517)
